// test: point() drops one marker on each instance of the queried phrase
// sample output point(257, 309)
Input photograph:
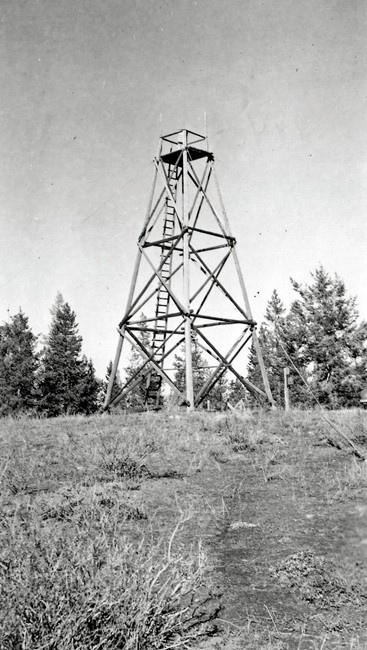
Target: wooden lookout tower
point(188, 283)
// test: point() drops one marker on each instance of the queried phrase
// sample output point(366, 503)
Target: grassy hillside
point(177, 531)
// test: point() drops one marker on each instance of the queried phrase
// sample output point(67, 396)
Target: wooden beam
point(249, 385)
point(218, 283)
point(149, 359)
point(186, 271)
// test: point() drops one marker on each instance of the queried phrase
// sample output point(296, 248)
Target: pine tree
point(135, 399)
point(272, 333)
point(18, 367)
point(237, 392)
point(330, 342)
point(319, 340)
point(116, 386)
point(63, 378)
point(200, 369)
point(219, 394)
point(89, 388)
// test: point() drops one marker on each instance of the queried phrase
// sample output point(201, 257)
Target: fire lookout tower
point(191, 286)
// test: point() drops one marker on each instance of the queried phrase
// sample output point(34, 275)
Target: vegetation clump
point(318, 580)
point(81, 565)
point(100, 591)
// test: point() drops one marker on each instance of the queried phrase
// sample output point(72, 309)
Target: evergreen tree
point(117, 384)
point(330, 342)
point(89, 388)
point(66, 378)
point(277, 345)
point(238, 393)
point(200, 369)
point(18, 367)
point(135, 399)
point(321, 337)
point(219, 394)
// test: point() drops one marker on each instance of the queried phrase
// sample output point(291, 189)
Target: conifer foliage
point(68, 383)
point(200, 370)
point(135, 399)
point(279, 348)
point(18, 367)
point(89, 387)
point(331, 344)
point(117, 384)
point(201, 373)
point(321, 337)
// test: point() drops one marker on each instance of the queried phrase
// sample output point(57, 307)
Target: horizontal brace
point(210, 248)
point(230, 239)
point(232, 321)
point(151, 320)
point(218, 324)
point(155, 331)
point(159, 242)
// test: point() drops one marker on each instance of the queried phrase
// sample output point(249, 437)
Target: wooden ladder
point(154, 380)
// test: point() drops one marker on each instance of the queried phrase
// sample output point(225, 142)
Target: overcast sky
point(87, 88)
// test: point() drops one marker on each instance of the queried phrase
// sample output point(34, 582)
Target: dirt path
point(286, 529)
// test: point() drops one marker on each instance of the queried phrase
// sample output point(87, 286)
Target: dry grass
point(82, 565)
point(79, 565)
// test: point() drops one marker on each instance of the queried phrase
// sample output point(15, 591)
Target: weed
point(100, 591)
point(347, 483)
point(246, 438)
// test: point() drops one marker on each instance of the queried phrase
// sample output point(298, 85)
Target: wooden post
point(286, 391)
point(186, 279)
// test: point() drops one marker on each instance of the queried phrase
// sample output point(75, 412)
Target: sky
point(88, 88)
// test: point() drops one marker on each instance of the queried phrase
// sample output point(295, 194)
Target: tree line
point(57, 380)
point(319, 339)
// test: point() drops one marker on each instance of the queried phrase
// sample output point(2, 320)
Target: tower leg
point(186, 272)
point(262, 369)
point(113, 373)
